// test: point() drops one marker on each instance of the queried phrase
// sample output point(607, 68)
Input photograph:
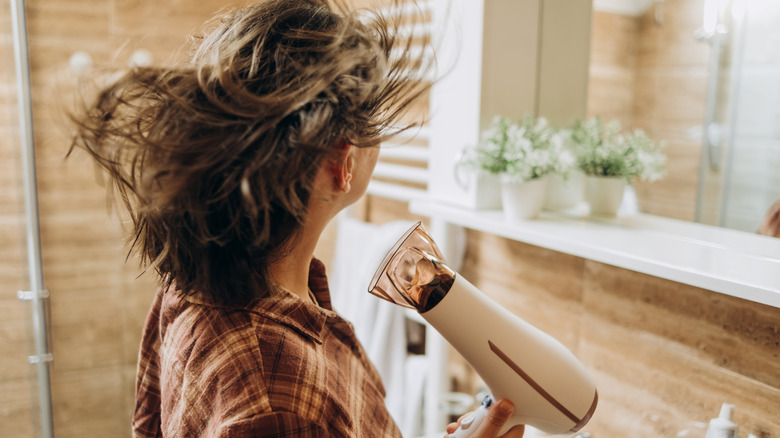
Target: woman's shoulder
point(192, 329)
point(279, 321)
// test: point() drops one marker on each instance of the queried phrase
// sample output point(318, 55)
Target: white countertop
point(730, 262)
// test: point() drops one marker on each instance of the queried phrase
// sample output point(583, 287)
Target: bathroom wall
point(649, 72)
point(16, 374)
point(755, 158)
point(97, 305)
point(612, 71)
point(664, 355)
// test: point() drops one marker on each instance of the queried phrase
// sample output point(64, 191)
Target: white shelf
point(730, 262)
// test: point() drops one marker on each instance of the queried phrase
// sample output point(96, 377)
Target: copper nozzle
point(413, 274)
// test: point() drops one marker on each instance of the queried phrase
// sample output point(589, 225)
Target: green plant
point(603, 150)
point(520, 151)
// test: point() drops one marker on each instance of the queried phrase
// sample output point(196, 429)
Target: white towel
point(379, 325)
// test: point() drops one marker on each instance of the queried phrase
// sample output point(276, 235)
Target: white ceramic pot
point(523, 200)
point(604, 194)
point(564, 194)
point(481, 191)
point(488, 192)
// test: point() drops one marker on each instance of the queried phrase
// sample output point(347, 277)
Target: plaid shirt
point(281, 366)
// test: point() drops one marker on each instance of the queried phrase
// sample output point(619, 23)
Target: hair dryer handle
point(471, 422)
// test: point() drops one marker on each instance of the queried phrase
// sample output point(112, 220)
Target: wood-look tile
point(19, 407)
point(91, 404)
point(67, 20)
point(612, 67)
point(165, 49)
point(740, 336)
point(138, 292)
point(16, 337)
point(87, 330)
point(383, 210)
point(176, 19)
point(650, 388)
point(127, 389)
point(681, 19)
point(613, 39)
point(515, 261)
point(671, 42)
point(9, 112)
point(11, 175)
point(674, 195)
point(682, 101)
point(610, 96)
point(13, 251)
point(645, 100)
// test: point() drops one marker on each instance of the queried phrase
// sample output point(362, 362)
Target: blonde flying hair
point(214, 160)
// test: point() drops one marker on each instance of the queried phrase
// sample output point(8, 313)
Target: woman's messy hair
point(215, 160)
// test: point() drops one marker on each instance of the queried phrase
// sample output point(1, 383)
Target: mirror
point(704, 77)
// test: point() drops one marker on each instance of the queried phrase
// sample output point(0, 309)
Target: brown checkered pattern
point(279, 367)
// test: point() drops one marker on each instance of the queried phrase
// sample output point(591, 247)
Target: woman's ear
point(345, 169)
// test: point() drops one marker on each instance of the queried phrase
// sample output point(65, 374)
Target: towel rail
point(418, 154)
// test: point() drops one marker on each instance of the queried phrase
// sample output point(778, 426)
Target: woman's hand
point(497, 415)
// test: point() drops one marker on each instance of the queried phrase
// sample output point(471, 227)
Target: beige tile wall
point(17, 376)
point(663, 354)
point(653, 76)
point(612, 67)
point(97, 304)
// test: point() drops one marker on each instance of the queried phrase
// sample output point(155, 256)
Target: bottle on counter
point(722, 426)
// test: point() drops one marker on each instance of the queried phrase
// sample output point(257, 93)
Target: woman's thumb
point(498, 415)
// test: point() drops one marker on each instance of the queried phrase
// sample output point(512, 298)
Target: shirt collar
point(289, 309)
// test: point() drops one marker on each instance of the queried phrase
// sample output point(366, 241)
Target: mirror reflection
point(704, 77)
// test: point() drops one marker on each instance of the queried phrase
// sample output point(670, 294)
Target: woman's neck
point(291, 272)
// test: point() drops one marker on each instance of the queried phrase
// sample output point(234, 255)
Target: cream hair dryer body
point(550, 388)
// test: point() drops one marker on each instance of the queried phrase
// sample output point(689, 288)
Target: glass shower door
point(741, 155)
point(18, 388)
point(24, 379)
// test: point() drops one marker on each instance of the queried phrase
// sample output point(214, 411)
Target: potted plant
point(565, 184)
point(611, 159)
point(486, 162)
point(521, 154)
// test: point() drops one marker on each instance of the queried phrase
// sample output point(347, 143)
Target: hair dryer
point(550, 388)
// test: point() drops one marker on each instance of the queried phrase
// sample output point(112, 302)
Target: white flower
point(522, 151)
point(605, 151)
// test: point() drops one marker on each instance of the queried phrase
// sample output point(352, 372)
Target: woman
point(230, 167)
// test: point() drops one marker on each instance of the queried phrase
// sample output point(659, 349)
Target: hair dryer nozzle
point(413, 273)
